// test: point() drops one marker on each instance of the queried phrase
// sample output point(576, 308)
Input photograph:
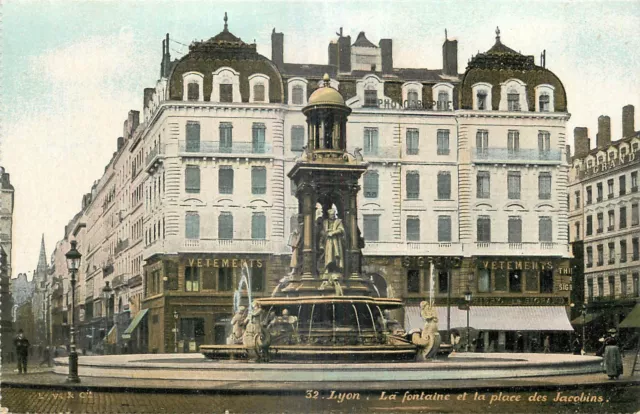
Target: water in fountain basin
point(245, 280)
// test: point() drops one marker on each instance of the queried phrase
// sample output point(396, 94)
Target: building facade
point(6, 237)
point(460, 164)
point(604, 218)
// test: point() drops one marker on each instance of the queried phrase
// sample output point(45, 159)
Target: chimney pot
point(628, 121)
point(581, 143)
point(603, 138)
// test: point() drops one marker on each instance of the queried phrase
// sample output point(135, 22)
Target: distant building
point(6, 237)
point(604, 217)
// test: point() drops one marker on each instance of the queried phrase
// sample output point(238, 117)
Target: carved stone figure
point(238, 323)
point(295, 239)
point(358, 155)
point(428, 340)
point(333, 237)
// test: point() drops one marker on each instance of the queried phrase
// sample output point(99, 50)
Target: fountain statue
point(325, 308)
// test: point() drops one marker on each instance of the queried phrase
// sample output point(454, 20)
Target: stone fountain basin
point(195, 367)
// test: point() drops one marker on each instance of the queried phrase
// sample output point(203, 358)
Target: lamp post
point(584, 324)
point(467, 298)
point(107, 293)
point(73, 264)
point(175, 331)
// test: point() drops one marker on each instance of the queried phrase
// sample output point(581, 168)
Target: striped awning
point(134, 324)
point(496, 318)
point(633, 319)
point(584, 320)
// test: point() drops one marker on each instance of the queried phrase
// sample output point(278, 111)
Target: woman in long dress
point(612, 358)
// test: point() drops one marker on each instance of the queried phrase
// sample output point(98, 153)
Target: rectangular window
point(258, 92)
point(577, 224)
point(589, 256)
point(513, 185)
point(513, 102)
point(545, 230)
point(623, 285)
point(483, 180)
point(484, 280)
point(612, 286)
point(258, 138)
point(226, 92)
point(589, 195)
point(192, 225)
point(482, 142)
point(225, 279)
point(370, 227)
point(612, 220)
point(209, 278)
point(257, 279)
point(370, 98)
point(544, 186)
point(258, 180)
point(590, 289)
point(191, 279)
point(444, 185)
point(443, 142)
point(413, 141)
point(634, 181)
point(225, 226)
point(623, 185)
point(515, 229)
point(600, 249)
point(600, 287)
point(192, 179)
point(444, 228)
point(297, 138)
point(225, 179)
point(484, 229)
point(443, 282)
point(600, 192)
point(577, 199)
point(297, 95)
point(413, 228)
point(371, 141)
point(513, 142)
point(544, 141)
point(258, 226)
point(370, 181)
point(623, 217)
point(623, 251)
point(546, 281)
point(610, 188)
point(636, 284)
point(635, 249)
point(193, 136)
point(515, 281)
point(482, 100)
point(635, 214)
point(413, 281)
point(413, 184)
point(500, 281)
point(193, 91)
point(612, 253)
point(226, 137)
point(600, 218)
point(532, 281)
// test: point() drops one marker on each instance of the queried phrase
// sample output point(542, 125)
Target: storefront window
point(546, 281)
point(191, 279)
point(225, 279)
point(484, 280)
point(443, 282)
point(515, 281)
point(532, 282)
point(500, 283)
point(413, 281)
point(257, 279)
point(208, 278)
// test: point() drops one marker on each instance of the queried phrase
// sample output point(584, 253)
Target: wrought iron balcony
point(522, 156)
point(221, 148)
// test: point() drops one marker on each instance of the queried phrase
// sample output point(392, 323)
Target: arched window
point(482, 100)
point(544, 102)
point(443, 101)
point(193, 91)
point(296, 95)
point(412, 98)
point(513, 100)
point(258, 92)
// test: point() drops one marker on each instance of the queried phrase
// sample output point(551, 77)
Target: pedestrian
point(577, 346)
point(519, 342)
point(612, 362)
point(547, 344)
point(22, 350)
point(46, 354)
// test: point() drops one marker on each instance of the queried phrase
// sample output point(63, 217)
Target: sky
point(71, 71)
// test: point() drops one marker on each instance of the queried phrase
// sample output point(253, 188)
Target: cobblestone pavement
point(594, 400)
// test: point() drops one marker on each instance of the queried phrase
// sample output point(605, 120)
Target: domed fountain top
point(326, 95)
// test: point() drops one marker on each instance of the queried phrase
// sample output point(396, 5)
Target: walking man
point(547, 344)
point(22, 350)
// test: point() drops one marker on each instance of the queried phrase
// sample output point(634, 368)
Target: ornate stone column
point(354, 250)
point(308, 194)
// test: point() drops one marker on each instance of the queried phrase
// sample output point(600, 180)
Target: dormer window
point(481, 93)
point(193, 91)
point(412, 98)
point(513, 101)
point(296, 95)
point(443, 101)
point(544, 102)
point(371, 98)
point(482, 100)
point(226, 92)
point(258, 92)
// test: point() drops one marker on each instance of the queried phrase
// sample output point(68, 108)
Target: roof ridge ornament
point(226, 26)
point(497, 33)
point(326, 80)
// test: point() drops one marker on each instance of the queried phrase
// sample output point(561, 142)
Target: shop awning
point(134, 324)
point(590, 317)
point(496, 318)
point(633, 319)
point(111, 336)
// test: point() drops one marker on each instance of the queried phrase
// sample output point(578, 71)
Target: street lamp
point(107, 293)
point(584, 324)
point(175, 331)
point(467, 298)
point(73, 264)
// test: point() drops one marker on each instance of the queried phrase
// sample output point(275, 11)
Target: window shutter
point(443, 142)
point(413, 184)
point(226, 137)
point(297, 137)
point(225, 226)
point(413, 229)
point(513, 184)
point(444, 228)
point(413, 141)
point(544, 186)
point(444, 185)
point(484, 229)
point(370, 228)
point(258, 138)
point(515, 230)
point(193, 136)
point(258, 180)
point(544, 229)
point(225, 180)
point(258, 226)
point(192, 225)
point(371, 184)
point(192, 179)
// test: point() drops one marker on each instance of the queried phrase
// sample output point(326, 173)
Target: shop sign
point(519, 301)
point(414, 105)
point(611, 164)
point(516, 264)
point(226, 262)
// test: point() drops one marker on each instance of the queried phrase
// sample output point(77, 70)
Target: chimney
point(133, 120)
point(386, 50)
point(277, 48)
point(603, 138)
point(450, 57)
point(333, 53)
point(120, 143)
point(166, 58)
point(147, 96)
point(581, 142)
point(628, 126)
point(344, 53)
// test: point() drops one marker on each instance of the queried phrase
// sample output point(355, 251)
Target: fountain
point(325, 309)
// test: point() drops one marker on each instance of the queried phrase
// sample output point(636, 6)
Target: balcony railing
point(121, 245)
point(509, 156)
point(221, 148)
point(400, 248)
point(227, 245)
